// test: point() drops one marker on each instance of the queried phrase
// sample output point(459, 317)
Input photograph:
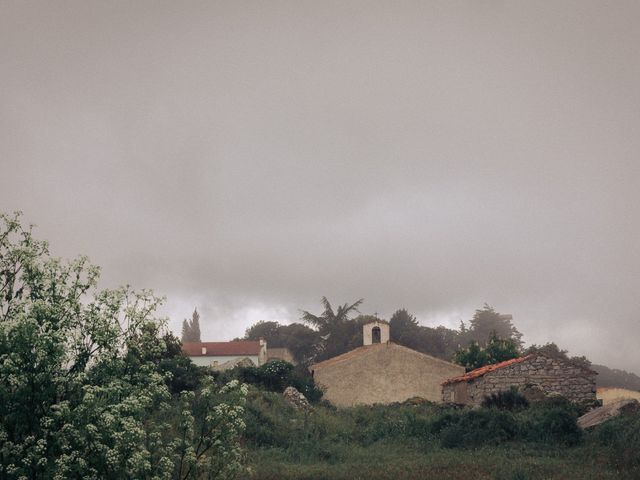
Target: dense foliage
point(495, 351)
point(276, 376)
point(405, 330)
point(301, 340)
point(430, 423)
point(336, 329)
point(87, 375)
point(487, 323)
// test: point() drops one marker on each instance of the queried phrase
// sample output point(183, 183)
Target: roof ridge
point(360, 349)
point(349, 354)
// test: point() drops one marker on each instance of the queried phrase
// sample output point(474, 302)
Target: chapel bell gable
point(375, 332)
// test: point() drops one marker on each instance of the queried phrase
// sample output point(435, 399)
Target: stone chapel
point(381, 371)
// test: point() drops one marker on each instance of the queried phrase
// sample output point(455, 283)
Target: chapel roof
point(366, 348)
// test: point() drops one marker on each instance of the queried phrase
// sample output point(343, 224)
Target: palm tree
point(333, 327)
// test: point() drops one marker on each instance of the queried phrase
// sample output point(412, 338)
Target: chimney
point(204, 350)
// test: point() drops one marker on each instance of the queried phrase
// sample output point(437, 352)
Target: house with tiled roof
point(536, 372)
point(381, 371)
point(220, 355)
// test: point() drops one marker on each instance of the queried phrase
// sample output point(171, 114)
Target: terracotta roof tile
point(478, 372)
point(194, 349)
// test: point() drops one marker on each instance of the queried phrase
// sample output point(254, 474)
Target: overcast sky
point(248, 158)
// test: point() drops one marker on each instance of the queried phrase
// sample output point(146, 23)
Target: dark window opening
point(375, 335)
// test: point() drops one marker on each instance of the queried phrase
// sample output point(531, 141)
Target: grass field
point(395, 461)
point(433, 442)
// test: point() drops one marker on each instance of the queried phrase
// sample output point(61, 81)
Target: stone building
point(381, 372)
point(535, 372)
point(223, 355)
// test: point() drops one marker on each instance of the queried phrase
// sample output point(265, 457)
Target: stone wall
point(551, 375)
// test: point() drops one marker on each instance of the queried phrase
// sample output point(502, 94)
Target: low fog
point(249, 158)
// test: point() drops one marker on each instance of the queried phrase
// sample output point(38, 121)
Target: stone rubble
point(602, 414)
point(296, 399)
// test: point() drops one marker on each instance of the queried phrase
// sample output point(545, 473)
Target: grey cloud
point(250, 158)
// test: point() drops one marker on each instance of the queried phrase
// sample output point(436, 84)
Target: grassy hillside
point(431, 441)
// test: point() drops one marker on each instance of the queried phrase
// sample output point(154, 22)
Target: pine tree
point(191, 329)
point(186, 331)
point(486, 322)
point(195, 326)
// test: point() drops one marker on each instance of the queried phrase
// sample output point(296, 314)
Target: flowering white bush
point(81, 394)
point(213, 449)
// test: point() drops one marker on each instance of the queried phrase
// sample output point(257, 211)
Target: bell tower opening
point(375, 332)
point(375, 335)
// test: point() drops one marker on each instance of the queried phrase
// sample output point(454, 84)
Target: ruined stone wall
point(553, 376)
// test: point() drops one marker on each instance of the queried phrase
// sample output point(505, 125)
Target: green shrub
point(275, 376)
point(551, 425)
point(374, 423)
point(558, 401)
point(267, 422)
point(620, 437)
point(491, 426)
point(475, 428)
point(272, 375)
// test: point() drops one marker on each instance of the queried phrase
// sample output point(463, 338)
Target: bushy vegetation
point(415, 441)
point(620, 439)
point(429, 424)
point(92, 385)
point(275, 376)
point(496, 350)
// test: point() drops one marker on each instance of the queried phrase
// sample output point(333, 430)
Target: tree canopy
point(191, 329)
point(301, 340)
point(85, 389)
point(335, 328)
point(486, 323)
point(495, 351)
point(406, 331)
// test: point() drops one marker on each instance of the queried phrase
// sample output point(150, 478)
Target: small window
point(375, 335)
